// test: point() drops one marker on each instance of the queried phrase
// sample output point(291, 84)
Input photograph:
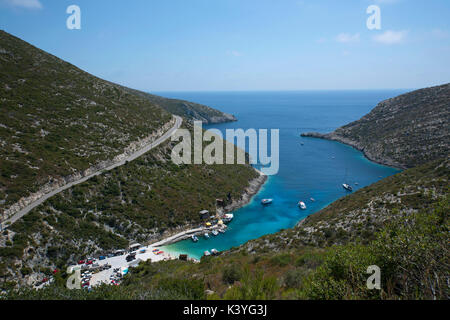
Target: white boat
point(266, 201)
point(228, 217)
point(312, 199)
point(222, 230)
point(194, 238)
point(347, 187)
point(214, 252)
point(207, 253)
point(206, 235)
point(215, 232)
point(302, 205)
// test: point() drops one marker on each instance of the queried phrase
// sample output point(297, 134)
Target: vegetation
point(360, 215)
point(57, 120)
point(411, 251)
point(188, 110)
point(139, 201)
point(406, 131)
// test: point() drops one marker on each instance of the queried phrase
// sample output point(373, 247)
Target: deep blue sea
point(315, 169)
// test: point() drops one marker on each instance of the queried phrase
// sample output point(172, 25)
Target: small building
point(204, 214)
point(135, 246)
point(119, 252)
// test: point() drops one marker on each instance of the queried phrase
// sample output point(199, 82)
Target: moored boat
point(347, 187)
point(207, 253)
point(302, 205)
point(206, 235)
point(228, 217)
point(194, 238)
point(215, 232)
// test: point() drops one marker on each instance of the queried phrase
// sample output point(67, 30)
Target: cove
point(309, 168)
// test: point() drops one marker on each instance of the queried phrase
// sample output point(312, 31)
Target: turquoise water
point(315, 169)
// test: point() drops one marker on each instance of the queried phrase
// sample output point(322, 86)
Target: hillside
point(59, 123)
point(405, 131)
point(143, 200)
point(189, 110)
point(399, 224)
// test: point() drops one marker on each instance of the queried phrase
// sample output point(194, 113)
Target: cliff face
point(405, 131)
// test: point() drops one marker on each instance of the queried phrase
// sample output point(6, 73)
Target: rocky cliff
point(405, 131)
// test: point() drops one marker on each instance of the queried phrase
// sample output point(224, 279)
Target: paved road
point(137, 154)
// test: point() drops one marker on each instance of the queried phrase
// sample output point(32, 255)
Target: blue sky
point(214, 45)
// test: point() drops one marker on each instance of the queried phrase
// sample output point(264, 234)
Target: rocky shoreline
point(184, 232)
point(372, 157)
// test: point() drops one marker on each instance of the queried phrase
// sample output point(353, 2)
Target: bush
point(231, 274)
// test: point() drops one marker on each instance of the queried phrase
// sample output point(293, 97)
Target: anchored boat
point(228, 217)
point(302, 205)
point(266, 201)
point(347, 187)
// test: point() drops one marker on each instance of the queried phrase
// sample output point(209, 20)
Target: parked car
point(102, 258)
point(89, 262)
point(81, 262)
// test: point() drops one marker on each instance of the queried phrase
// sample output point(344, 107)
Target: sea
point(308, 167)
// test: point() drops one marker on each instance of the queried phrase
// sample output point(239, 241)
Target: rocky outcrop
point(406, 131)
point(253, 188)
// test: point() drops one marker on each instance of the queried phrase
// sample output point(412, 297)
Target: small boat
point(207, 253)
point(347, 187)
point(356, 183)
point(215, 232)
point(206, 235)
point(302, 205)
point(214, 252)
point(228, 217)
point(266, 201)
point(222, 230)
point(194, 238)
point(312, 199)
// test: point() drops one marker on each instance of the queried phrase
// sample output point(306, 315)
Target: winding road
point(178, 121)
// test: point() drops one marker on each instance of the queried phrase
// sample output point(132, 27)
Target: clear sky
point(214, 45)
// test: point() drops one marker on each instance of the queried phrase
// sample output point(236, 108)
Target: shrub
point(231, 274)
